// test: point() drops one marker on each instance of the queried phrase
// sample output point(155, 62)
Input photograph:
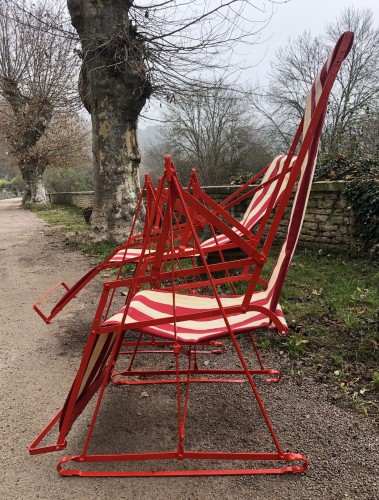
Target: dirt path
point(38, 363)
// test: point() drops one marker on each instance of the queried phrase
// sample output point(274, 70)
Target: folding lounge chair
point(144, 209)
point(165, 309)
point(131, 251)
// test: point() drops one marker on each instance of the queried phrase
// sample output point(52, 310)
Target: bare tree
point(63, 149)
point(130, 51)
point(8, 165)
point(37, 79)
point(66, 147)
point(354, 100)
point(355, 104)
point(65, 143)
point(212, 131)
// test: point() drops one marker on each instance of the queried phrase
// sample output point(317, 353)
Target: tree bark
point(35, 192)
point(32, 117)
point(114, 87)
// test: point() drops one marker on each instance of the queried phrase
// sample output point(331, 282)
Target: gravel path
point(38, 363)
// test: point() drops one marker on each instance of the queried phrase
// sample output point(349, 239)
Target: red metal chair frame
point(174, 321)
point(129, 253)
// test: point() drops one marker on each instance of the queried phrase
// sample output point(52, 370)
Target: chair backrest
point(259, 201)
point(311, 128)
point(281, 176)
point(260, 197)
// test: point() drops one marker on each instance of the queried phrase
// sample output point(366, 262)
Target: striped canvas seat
point(152, 305)
point(159, 303)
point(258, 205)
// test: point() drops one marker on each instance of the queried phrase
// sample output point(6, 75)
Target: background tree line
point(214, 131)
point(128, 52)
point(39, 123)
point(227, 134)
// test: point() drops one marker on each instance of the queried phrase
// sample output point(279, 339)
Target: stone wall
point(82, 199)
point(328, 222)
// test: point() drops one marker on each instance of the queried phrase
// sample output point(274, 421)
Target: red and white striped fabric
point(152, 305)
point(280, 270)
point(251, 218)
point(92, 371)
point(134, 254)
point(128, 255)
point(259, 202)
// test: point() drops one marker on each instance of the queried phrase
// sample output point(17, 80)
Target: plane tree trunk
point(114, 87)
point(31, 118)
point(35, 192)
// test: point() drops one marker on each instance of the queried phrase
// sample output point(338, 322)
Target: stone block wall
point(328, 222)
point(82, 199)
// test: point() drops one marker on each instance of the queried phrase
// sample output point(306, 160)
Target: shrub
point(80, 178)
point(361, 175)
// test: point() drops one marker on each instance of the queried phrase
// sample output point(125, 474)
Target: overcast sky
point(293, 18)
point(288, 21)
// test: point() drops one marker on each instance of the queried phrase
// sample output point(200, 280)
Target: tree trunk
point(117, 158)
point(35, 192)
point(113, 87)
point(32, 117)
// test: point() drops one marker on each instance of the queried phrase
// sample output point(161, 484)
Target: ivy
point(361, 176)
point(240, 178)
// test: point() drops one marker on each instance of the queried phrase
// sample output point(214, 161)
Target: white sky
point(293, 18)
point(288, 21)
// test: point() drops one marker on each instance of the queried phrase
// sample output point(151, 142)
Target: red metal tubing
point(222, 456)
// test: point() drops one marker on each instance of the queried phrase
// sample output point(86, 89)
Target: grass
point(332, 308)
point(325, 294)
point(99, 250)
point(334, 286)
point(68, 218)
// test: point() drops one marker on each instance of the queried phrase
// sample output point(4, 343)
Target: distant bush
point(69, 179)
point(18, 183)
point(240, 178)
point(8, 185)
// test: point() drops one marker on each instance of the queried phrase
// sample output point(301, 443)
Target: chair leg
point(125, 377)
point(277, 376)
point(282, 462)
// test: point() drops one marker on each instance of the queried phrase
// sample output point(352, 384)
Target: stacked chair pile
point(180, 300)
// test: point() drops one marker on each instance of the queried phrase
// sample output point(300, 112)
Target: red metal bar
point(215, 347)
point(47, 319)
point(221, 456)
point(34, 449)
point(161, 373)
